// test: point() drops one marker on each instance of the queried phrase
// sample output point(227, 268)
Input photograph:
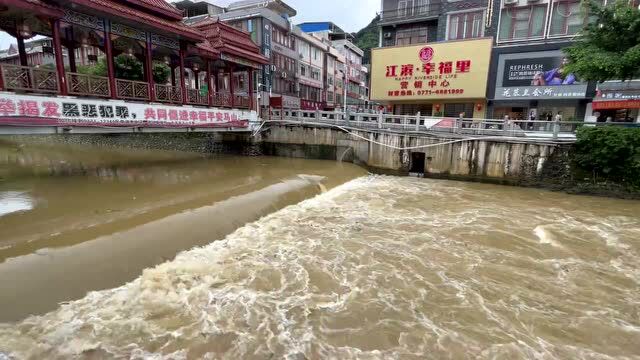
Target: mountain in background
point(367, 38)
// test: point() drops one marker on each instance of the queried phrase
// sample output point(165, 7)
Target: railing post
point(231, 85)
point(109, 54)
point(380, 119)
point(183, 86)
point(556, 128)
point(209, 87)
point(347, 117)
point(405, 121)
point(57, 49)
point(149, 64)
point(317, 115)
point(418, 121)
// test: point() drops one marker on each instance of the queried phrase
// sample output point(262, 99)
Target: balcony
point(410, 14)
point(88, 85)
point(42, 80)
point(168, 94)
point(29, 79)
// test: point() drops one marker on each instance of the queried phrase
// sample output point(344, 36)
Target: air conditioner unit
point(284, 75)
point(273, 68)
point(510, 2)
point(388, 35)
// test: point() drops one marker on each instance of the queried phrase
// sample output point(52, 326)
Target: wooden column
point(22, 52)
point(251, 89)
point(209, 87)
point(57, 51)
point(108, 49)
point(149, 64)
point(182, 84)
point(231, 86)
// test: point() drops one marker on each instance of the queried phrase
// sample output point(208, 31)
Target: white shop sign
point(60, 111)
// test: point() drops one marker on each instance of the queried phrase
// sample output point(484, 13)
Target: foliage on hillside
point(610, 46)
point(609, 153)
point(367, 38)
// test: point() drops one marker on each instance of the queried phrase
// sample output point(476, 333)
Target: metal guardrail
point(556, 130)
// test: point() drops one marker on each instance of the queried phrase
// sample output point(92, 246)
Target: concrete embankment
point(500, 161)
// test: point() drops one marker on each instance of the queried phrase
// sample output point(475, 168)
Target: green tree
point(128, 67)
point(161, 72)
point(367, 38)
point(609, 48)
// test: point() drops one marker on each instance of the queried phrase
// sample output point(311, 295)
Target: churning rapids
point(377, 268)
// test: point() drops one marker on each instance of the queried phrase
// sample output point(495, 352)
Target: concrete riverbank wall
point(499, 161)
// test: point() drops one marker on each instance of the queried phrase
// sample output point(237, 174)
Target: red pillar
point(57, 50)
point(182, 85)
point(149, 64)
point(250, 89)
point(22, 52)
point(209, 87)
point(231, 85)
point(108, 49)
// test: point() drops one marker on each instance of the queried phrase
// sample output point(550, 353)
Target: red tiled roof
point(159, 6)
point(228, 39)
point(116, 9)
point(36, 6)
point(207, 49)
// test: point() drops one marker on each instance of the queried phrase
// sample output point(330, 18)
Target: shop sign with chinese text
point(18, 109)
point(448, 70)
point(541, 92)
point(537, 75)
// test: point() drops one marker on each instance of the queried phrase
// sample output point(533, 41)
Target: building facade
point(433, 57)
point(354, 72)
point(527, 63)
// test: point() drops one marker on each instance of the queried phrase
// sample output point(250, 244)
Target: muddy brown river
point(115, 254)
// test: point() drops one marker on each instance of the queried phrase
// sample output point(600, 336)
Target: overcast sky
point(350, 15)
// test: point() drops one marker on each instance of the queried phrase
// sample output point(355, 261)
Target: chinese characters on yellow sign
point(452, 70)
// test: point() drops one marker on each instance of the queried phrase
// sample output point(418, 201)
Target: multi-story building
point(268, 23)
point(433, 57)
point(355, 71)
point(40, 53)
point(527, 63)
point(311, 70)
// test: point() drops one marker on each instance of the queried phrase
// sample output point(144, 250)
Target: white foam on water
point(545, 236)
point(378, 268)
point(15, 201)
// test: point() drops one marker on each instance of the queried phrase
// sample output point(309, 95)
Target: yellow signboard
point(438, 71)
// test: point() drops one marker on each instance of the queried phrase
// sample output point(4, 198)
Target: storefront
point(617, 102)
point(534, 85)
point(441, 79)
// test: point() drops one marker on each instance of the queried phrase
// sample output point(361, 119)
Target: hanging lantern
point(24, 30)
point(195, 67)
point(167, 60)
point(84, 42)
point(130, 52)
point(479, 106)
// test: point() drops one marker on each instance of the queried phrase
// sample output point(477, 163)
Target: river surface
point(300, 259)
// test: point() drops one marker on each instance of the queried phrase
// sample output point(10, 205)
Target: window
point(330, 96)
point(303, 70)
point(282, 37)
point(567, 17)
point(465, 25)
point(329, 80)
point(412, 35)
point(522, 22)
point(315, 74)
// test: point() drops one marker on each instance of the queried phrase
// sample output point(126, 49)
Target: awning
point(34, 6)
point(616, 104)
